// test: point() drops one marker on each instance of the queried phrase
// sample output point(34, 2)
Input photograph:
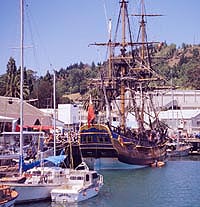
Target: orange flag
point(91, 114)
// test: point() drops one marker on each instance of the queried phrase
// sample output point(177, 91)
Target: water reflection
point(53, 204)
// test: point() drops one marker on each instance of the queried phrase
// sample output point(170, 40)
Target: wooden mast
point(120, 60)
point(145, 61)
point(123, 50)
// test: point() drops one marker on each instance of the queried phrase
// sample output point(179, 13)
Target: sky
point(58, 32)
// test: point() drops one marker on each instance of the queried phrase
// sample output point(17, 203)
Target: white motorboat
point(81, 184)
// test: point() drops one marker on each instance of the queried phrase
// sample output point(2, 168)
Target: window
point(87, 177)
point(89, 139)
point(94, 175)
point(198, 123)
point(79, 178)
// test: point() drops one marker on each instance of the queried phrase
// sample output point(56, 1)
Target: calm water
point(177, 184)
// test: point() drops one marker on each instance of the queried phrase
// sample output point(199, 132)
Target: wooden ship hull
point(99, 141)
point(131, 153)
point(97, 150)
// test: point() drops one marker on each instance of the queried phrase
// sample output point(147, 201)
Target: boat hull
point(108, 164)
point(61, 195)
point(101, 148)
point(139, 155)
point(7, 196)
point(9, 203)
point(32, 192)
point(183, 151)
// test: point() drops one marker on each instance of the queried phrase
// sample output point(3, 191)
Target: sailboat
point(127, 82)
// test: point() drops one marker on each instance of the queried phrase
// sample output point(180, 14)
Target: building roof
point(178, 114)
point(6, 119)
point(10, 107)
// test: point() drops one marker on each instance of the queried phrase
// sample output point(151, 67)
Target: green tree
point(3, 79)
point(45, 91)
point(11, 78)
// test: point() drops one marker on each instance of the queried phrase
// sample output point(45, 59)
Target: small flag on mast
point(91, 114)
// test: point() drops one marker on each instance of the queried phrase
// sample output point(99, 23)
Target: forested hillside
point(181, 65)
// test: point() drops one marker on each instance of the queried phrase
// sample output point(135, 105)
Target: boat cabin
point(82, 178)
point(45, 175)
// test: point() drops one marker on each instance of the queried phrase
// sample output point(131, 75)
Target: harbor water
point(177, 184)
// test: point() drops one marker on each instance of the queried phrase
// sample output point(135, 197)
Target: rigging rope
point(31, 25)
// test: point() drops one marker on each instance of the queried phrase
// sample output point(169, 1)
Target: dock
point(195, 142)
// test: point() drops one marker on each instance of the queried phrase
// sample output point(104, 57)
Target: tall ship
point(125, 89)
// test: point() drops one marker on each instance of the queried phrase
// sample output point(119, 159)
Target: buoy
point(158, 164)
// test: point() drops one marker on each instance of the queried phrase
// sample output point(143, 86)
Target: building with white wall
point(68, 113)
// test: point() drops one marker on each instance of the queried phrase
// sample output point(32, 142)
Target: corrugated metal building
point(185, 120)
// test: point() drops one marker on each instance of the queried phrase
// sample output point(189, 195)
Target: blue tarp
point(55, 160)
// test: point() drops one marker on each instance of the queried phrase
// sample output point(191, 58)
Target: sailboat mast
point(21, 82)
point(54, 109)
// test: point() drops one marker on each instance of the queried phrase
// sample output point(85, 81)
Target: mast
point(21, 83)
point(110, 49)
point(108, 107)
point(123, 50)
point(144, 60)
point(54, 109)
point(117, 73)
point(142, 35)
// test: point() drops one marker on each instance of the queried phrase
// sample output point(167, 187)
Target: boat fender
point(120, 140)
point(96, 189)
point(45, 178)
point(84, 193)
point(28, 175)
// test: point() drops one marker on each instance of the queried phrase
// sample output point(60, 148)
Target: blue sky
point(58, 32)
